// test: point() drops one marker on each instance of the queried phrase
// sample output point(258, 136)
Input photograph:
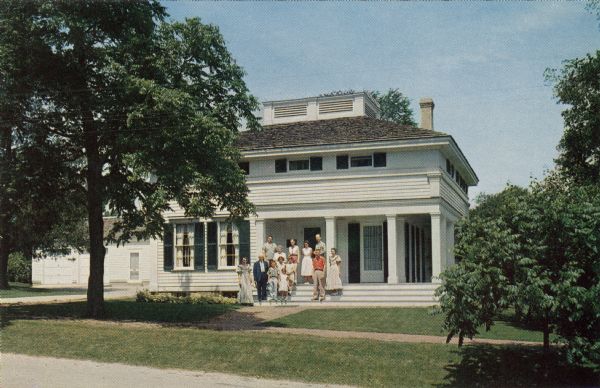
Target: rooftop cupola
point(320, 108)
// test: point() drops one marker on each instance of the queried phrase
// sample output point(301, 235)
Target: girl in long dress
point(292, 263)
point(307, 267)
point(244, 272)
point(334, 281)
point(273, 275)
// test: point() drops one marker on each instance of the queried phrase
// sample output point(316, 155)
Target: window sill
point(182, 269)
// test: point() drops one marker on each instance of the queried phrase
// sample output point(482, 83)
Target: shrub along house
point(385, 195)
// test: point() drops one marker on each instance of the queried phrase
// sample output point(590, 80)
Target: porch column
point(450, 260)
point(438, 246)
point(401, 249)
point(395, 241)
point(260, 235)
point(329, 235)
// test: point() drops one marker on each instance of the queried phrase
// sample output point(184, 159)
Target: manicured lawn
point(311, 359)
point(21, 290)
point(397, 320)
point(119, 310)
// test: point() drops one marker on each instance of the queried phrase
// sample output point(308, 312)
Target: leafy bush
point(19, 268)
point(194, 298)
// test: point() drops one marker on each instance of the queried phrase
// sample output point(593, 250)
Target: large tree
point(144, 113)
point(34, 216)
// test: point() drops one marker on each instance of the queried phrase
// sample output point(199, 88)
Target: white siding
point(452, 194)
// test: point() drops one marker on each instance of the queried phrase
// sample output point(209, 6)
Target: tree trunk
point(95, 292)
point(5, 171)
point(546, 334)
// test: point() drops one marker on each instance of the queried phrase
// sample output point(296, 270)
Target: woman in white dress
point(307, 267)
point(283, 284)
point(333, 282)
point(244, 272)
point(292, 263)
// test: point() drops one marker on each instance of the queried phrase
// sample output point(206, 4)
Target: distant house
point(385, 195)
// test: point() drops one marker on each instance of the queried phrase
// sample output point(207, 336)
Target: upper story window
point(314, 163)
point(454, 174)
point(378, 159)
point(296, 165)
point(361, 161)
point(245, 166)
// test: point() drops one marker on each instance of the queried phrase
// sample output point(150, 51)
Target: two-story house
point(385, 195)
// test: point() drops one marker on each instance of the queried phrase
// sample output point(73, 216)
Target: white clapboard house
point(385, 195)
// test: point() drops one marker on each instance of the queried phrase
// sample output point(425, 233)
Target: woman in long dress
point(334, 281)
point(244, 272)
point(307, 267)
point(292, 263)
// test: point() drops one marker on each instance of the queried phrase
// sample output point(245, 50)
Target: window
point(373, 247)
point(342, 162)
point(379, 159)
point(281, 165)
point(316, 163)
point(229, 244)
point(184, 246)
point(361, 161)
point(245, 166)
point(134, 266)
point(212, 246)
point(296, 165)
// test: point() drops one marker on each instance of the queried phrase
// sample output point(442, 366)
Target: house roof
point(333, 131)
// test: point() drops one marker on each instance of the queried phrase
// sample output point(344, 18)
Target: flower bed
point(194, 298)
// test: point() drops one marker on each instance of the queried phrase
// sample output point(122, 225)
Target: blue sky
point(482, 63)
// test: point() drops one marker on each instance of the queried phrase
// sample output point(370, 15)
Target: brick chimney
point(426, 105)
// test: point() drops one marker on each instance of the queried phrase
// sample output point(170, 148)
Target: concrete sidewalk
point(113, 292)
point(45, 372)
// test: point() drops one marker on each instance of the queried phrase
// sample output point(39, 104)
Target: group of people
point(274, 275)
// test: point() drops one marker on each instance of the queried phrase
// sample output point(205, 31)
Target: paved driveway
point(45, 372)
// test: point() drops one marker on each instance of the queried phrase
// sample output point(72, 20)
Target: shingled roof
point(333, 131)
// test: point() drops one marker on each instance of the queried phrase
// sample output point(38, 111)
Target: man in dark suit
point(259, 271)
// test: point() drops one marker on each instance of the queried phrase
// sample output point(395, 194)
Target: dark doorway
point(385, 253)
point(309, 235)
point(354, 253)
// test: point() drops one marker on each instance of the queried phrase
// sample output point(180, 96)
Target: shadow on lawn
point(515, 366)
point(167, 314)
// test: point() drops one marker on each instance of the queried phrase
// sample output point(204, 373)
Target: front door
point(372, 253)
point(354, 253)
point(309, 235)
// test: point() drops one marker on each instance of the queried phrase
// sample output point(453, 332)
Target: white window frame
point(176, 266)
point(299, 169)
point(222, 259)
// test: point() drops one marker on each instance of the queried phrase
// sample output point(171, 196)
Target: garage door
point(60, 271)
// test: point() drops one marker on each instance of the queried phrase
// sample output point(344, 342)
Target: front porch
point(397, 249)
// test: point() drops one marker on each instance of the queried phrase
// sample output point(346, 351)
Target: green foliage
point(577, 85)
point(395, 107)
point(19, 268)
point(146, 296)
point(535, 250)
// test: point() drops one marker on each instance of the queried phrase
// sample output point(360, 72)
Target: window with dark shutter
point(281, 165)
point(379, 159)
point(245, 166)
point(244, 239)
point(168, 247)
point(212, 246)
point(342, 162)
point(199, 246)
point(316, 163)
point(361, 161)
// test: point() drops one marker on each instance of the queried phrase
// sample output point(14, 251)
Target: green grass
point(397, 320)
point(21, 290)
point(311, 359)
point(119, 310)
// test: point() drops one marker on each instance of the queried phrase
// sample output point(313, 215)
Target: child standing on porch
point(283, 284)
point(273, 275)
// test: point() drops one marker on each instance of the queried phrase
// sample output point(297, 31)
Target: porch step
point(422, 294)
